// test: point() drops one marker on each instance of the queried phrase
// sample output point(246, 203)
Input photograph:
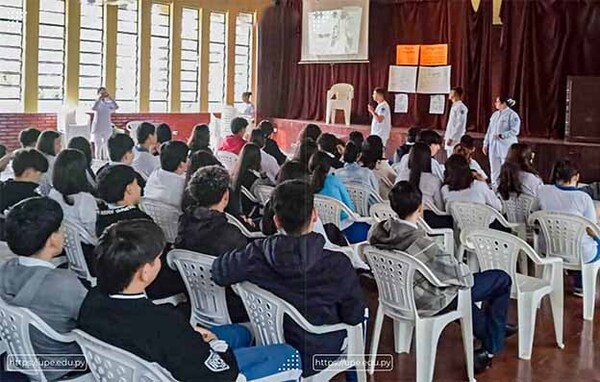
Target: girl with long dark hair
point(245, 174)
point(200, 138)
point(50, 144)
point(518, 175)
point(83, 145)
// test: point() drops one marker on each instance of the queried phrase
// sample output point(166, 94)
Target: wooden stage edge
point(547, 150)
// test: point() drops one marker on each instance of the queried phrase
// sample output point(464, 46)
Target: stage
point(547, 151)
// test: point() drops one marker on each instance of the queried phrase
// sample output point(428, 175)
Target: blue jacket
point(335, 188)
point(320, 283)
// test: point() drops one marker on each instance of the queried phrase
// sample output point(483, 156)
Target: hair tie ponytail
point(511, 102)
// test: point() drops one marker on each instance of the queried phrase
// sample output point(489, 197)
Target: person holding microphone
point(381, 125)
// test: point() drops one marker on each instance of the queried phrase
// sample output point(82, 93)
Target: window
point(90, 51)
point(190, 53)
point(159, 58)
point(11, 55)
point(217, 70)
point(243, 56)
point(51, 69)
point(127, 57)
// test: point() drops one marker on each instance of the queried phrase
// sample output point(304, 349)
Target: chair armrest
point(432, 207)
point(46, 330)
point(329, 94)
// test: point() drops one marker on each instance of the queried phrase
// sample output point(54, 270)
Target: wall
point(12, 123)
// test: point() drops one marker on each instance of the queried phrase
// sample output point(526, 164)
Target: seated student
point(120, 151)
point(143, 160)
point(517, 174)
point(563, 195)
point(372, 157)
point(118, 312)
point(490, 287)
point(420, 176)
point(83, 145)
point(49, 143)
point(28, 165)
point(305, 150)
point(459, 149)
point(432, 139)
point(468, 144)
point(163, 134)
point(166, 184)
point(353, 172)
point(310, 131)
point(461, 186)
point(29, 137)
point(198, 160)
point(268, 164)
point(294, 265)
point(357, 138)
point(200, 139)
point(271, 146)
point(246, 173)
point(328, 143)
point(411, 138)
point(235, 142)
point(33, 282)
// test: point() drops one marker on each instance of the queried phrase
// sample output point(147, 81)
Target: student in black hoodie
point(320, 283)
point(271, 146)
point(333, 147)
point(28, 164)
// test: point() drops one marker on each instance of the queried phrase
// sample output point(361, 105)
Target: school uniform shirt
point(530, 183)
point(13, 191)
point(570, 200)
point(386, 176)
point(269, 166)
point(507, 123)
point(430, 186)
point(232, 143)
point(82, 212)
point(46, 179)
point(102, 124)
point(165, 186)
point(474, 166)
point(457, 123)
point(111, 213)
point(355, 173)
point(383, 128)
point(478, 192)
point(155, 333)
point(248, 109)
point(403, 170)
point(144, 162)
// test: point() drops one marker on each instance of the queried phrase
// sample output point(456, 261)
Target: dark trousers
point(437, 221)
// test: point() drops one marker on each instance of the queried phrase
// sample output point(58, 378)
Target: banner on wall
point(407, 54)
point(434, 80)
point(402, 79)
point(434, 55)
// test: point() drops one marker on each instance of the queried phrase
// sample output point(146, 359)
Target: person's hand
point(485, 150)
point(477, 176)
point(370, 108)
point(248, 221)
point(449, 142)
point(206, 334)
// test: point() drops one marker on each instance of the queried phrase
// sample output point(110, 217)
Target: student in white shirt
point(268, 164)
point(102, 125)
point(466, 148)
point(249, 109)
point(167, 183)
point(144, 162)
point(372, 158)
point(518, 175)
point(382, 116)
point(50, 144)
point(457, 121)
point(432, 139)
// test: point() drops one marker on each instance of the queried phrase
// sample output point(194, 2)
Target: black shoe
point(511, 330)
point(481, 360)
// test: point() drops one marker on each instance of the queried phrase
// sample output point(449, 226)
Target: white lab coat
point(507, 123)
point(457, 125)
point(102, 125)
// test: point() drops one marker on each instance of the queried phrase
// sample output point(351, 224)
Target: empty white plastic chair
point(15, 324)
point(339, 97)
point(165, 215)
point(110, 364)
point(263, 193)
point(362, 196)
point(267, 312)
point(209, 305)
point(500, 250)
point(132, 127)
point(330, 211)
point(74, 235)
point(227, 159)
point(563, 234)
point(517, 210)
point(245, 231)
point(394, 273)
point(476, 215)
point(74, 130)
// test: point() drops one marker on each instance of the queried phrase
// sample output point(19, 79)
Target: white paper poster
point(434, 80)
point(403, 79)
point(401, 104)
point(436, 104)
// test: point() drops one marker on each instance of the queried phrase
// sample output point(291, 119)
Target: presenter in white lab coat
point(457, 122)
point(381, 125)
point(102, 125)
point(502, 132)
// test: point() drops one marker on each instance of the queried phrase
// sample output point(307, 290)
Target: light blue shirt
point(334, 188)
point(507, 123)
point(355, 173)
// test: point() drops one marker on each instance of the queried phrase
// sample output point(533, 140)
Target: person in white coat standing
point(504, 128)
point(102, 125)
point(457, 121)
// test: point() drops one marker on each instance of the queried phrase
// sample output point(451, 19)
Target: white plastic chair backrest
point(518, 208)
point(209, 305)
point(73, 239)
point(382, 211)
point(245, 231)
point(109, 363)
point(563, 234)
point(249, 195)
point(132, 127)
point(165, 215)
point(342, 92)
point(394, 273)
point(330, 210)
point(263, 193)
point(82, 130)
point(472, 215)
point(227, 159)
point(361, 195)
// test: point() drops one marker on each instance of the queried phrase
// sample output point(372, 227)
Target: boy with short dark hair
point(235, 142)
point(166, 184)
point(28, 137)
point(31, 280)
point(490, 287)
point(144, 162)
point(296, 267)
point(120, 151)
point(28, 165)
point(381, 125)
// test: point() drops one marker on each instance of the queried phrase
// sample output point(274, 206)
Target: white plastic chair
point(330, 211)
point(245, 231)
point(74, 130)
point(339, 97)
point(110, 364)
point(132, 127)
point(433, 208)
point(227, 159)
point(15, 323)
point(249, 195)
point(267, 312)
point(209, 305)
point(500, 250)
point(394, 273)
point(362, 196)
point(563, 234)
point(165, 215)
point(74, 235)
point(263, 193)
point(517, 210)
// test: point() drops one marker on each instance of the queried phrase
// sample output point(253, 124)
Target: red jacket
point(233, 144)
